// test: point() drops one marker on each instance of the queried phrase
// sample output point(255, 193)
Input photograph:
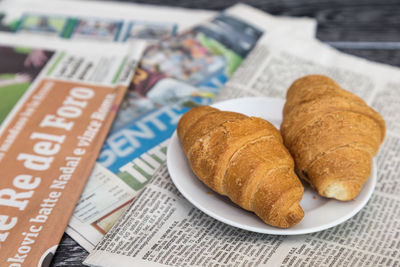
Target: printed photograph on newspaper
point(19, 66)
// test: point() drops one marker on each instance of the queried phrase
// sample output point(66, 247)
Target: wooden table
point(365, 28)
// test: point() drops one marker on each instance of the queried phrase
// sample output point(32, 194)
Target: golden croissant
point(332, 135)
point(243, 158)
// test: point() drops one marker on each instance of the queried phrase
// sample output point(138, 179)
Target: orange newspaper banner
point(47, 151)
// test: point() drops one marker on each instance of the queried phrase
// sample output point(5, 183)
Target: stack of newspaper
point(67, 67)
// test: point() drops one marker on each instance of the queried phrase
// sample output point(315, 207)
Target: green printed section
point(137, 176)
point(42, 23)
point(233, 59)
point(136, 182)
point(14, 25)
point(10, 94)
point(147, 163)
point(11, 26)
point(22, 50)
point(156, 158)
point(142, 172)
point(69, 28)
point(115, 79)
point(131, 181)
point(56, 62)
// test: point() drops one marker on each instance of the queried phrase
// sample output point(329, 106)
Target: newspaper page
point(96, 20)
point(58, 102)
point(175, 75)
point(161, 228)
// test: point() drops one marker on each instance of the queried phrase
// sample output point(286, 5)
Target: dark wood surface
point(365, 28)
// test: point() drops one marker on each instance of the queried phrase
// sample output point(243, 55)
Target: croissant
point(243, 158)
point(332, 135)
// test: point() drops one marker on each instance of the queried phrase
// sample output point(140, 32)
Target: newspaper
point(58, 102)
point(96, 20)
point(156, 100)
point(161, 228)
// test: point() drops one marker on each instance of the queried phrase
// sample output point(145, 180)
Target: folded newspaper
point(198, 62)
point(161, 228)
point(58, 102)
point(100, 21)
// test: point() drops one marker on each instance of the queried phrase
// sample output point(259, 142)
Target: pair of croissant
point(331, 134)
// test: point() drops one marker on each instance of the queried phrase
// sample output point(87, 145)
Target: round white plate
point(319, 213)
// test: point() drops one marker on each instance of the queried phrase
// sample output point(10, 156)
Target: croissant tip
point(294, 215)
point(342, 190)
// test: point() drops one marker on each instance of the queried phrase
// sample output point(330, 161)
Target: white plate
point(319, 213)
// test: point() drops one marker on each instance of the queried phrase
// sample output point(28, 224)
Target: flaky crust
point(243, 158)
point(332, 135)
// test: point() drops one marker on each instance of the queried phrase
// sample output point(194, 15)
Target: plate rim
point(275, 231)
